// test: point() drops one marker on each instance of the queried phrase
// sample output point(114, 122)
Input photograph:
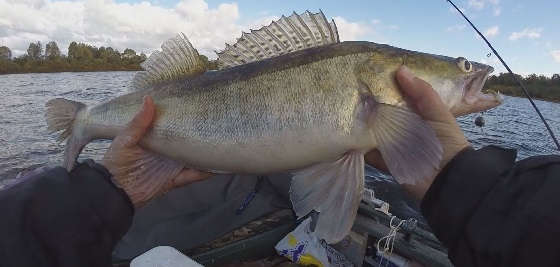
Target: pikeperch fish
point(288, 97)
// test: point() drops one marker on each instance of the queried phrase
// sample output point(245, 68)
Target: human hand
point(124, 154)
point(421, 97)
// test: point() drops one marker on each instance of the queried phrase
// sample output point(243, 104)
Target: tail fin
point(61, 114)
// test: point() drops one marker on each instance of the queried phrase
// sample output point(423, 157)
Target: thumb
point(140, 124)
point(422, 96)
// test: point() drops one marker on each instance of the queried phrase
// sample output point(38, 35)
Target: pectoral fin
point(334, 189)
point(407, 144)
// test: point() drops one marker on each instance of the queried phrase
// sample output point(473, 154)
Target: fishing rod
point(511, 72)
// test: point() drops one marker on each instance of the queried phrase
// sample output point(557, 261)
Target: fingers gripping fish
point(288, 97)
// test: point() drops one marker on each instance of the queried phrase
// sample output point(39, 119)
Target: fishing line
point(511, 72)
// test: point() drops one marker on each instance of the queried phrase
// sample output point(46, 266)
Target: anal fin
point(144, 173)
point(334, 189)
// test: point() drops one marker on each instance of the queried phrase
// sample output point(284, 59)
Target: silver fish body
point(312, 106)
point(276, 115)
point(274, 120)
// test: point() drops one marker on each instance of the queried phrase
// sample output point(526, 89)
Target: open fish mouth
point(473, 97)
point(475, 83)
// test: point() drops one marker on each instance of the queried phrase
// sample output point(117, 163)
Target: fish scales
point(272, 114)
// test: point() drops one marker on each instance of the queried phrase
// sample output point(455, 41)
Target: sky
point(525, 33)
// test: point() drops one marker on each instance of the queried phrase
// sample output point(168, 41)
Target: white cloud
point(497, 11)
point(456, 28)
point(555, 55)
point(529, 33)
point(258, 23)
point(477, 4)
point(379, 25)
point(351, 31)
point(141, 26)
point(481, 4)
point(492, 31)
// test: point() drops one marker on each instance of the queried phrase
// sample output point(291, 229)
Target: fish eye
point(464, 64)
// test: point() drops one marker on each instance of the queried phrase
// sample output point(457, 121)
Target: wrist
point(123, 181)
point(451, 148)
point(90, 172)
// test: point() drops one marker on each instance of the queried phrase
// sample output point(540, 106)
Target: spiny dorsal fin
point(178, 59)
point(288, 34)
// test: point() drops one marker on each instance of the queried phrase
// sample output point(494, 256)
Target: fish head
point(458, 81)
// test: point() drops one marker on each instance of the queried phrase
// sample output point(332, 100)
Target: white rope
point(389, 240)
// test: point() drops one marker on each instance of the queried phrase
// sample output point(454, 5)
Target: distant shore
point(116, 68)
point(516, 91)
point(81, 57)
point(539, 86)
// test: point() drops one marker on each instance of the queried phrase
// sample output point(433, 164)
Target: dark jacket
point(489, 210)
point(59, 219)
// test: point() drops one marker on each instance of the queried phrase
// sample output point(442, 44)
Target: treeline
point(539, 86)
point(81, 57)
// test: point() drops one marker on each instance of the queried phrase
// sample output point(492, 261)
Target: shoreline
point(72, 71)
point(534, 98)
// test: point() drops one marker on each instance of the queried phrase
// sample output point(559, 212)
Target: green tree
point(538, 86)
point(5, 53)
point(555, 79)
point(81, 57)
point(72, 50)
point(79, 52)
point(532, 78)
point(51, 50)
point(100, 52)
point(109, 55)
point(35, 51)
point(210, 64)
point(129, 53)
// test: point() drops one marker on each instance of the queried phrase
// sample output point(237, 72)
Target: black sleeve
point(54, 218)
point(492, 211)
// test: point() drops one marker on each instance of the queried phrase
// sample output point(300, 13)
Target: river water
point(26, 144)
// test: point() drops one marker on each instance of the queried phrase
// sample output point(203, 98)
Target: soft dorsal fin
point(288, 34)
point(178, 59)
